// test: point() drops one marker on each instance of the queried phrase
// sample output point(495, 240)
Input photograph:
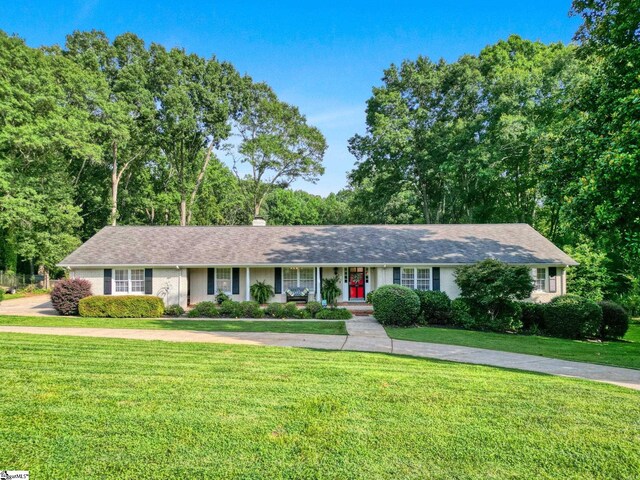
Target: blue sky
point(323, 57)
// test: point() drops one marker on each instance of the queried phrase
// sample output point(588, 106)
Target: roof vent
point(259, 222)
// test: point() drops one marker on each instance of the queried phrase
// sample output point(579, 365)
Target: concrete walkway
point(366, 335)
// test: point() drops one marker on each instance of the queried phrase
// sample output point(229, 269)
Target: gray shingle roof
point(319, 245)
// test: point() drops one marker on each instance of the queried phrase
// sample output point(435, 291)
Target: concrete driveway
point(34, 306)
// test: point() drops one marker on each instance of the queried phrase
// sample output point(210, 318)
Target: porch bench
point(297, 295)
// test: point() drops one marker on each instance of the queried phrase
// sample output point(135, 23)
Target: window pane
point(137, 281)
point(407, 277)
point(541, 278)
point(289, 278)
point(121, 281)
point(424, 279)
point(306, 278)
point(223, 279)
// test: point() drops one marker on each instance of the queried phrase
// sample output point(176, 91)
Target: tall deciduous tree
point(193, 97)
point(276, 143)
point(128, 117)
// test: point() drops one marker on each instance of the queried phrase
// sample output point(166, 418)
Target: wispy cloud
point(338, 117)
point(86, 9)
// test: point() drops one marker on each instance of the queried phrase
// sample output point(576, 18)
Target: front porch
point(354, 282)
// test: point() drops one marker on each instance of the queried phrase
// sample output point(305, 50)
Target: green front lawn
point(304, 326)
point(620, 353)
point(110, 408)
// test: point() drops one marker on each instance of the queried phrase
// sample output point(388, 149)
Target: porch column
point(318, 294)
point(247, 288)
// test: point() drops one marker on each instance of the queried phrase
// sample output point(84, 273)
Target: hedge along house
point(187, 265)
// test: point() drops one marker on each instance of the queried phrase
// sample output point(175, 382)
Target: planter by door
point(356, 283)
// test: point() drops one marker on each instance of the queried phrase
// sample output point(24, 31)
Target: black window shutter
point(320, 285)
point(107, 281)
point(235, 281)
point(396, 275)
point(277, 288)
point(211, 281)
point(436, 279)
point(553, 284)
point(148, 281)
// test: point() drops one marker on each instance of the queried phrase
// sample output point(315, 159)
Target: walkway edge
point(364, 335)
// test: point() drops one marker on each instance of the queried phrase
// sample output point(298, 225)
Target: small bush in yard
point(435, 307)
point(1, 295)
point(334, 314)
point(205, 309)
point(615, 320)
point(491, 289)
point(250, 309)
point(290, 310)
point(532, 316)
point(67, 293)
point(229, 308)
point(461, 314)
point(313, 308)
point(571, 316)
point(121, 306)
point(395, 305)
point(222, 297)
point(274, 310)
point(173, 310)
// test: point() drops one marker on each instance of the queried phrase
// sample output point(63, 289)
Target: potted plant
point(261, 292)
point(330, 290)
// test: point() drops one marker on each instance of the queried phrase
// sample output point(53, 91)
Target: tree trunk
point(201, 174)
point(115, 180)
point(183, 210)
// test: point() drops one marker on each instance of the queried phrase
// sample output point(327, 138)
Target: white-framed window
point(408, 277)
point(306, 278)
point(416, 278)
point(303, 277)
point(423, 279)
point(128, 280)
point(540, 279)
point(223, 280)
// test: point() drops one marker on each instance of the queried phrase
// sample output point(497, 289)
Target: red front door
point(356, 283)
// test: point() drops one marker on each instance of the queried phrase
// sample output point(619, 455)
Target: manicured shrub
point(334, 314)
point(507, 319)
point(491, 289)
point(261, 292)
point(571, 316)
point(249, 310)
point(313, 308)
point(67, 293)
point(615, 320)
point(369, 298)
point(205, 309)
point(532, 316)
point(290, 310)
point(435, 307)
point(174, 310)
point(229, 308)
point(461, 314)
point(222, 297)
point(396, 305)
point(121, 306)
point(304, 314)
point(274, 310)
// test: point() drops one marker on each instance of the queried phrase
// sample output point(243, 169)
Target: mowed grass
point(107, 408)
point(625, 353)
point(284, 326)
